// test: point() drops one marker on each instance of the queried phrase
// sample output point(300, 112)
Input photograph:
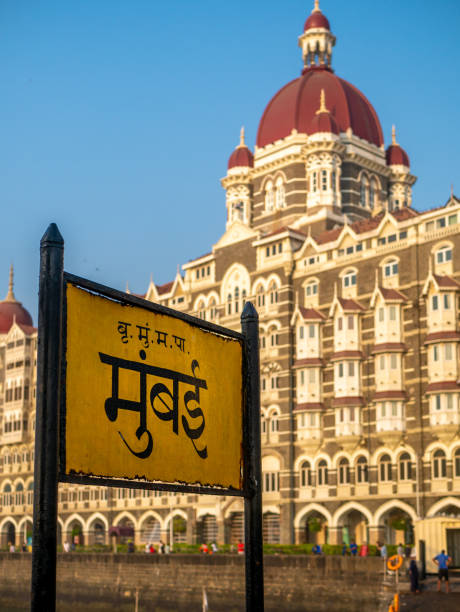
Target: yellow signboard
point(150, 396)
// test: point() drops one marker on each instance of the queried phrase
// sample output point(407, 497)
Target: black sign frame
point(50, 442)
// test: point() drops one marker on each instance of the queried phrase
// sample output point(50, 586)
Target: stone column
point(335, 535)
point(376, 534)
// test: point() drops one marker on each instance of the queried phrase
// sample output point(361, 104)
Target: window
point(434, 302)
point(362, 472)
point(364, 191)
point(457, 463)
point(405, 467)
point(392, 313)
point(311, 289)
point(311, 375)
point(280, 194)
point(344, 471)
point(381, 314)
point(446, 301)
point(312, 330)
point(391, 268)
point(269, 197)
point(273, 293)
point(271, 481)
point(322, 473)
point(301, 332)
point(439, 464)
point(351, 368)
point(351, 322)
point(349, 279)
point(393, 361)
point(314, 181)
point(340, 369)
point(444, 255)
point(448, 351)
point(435, 352)
point(305, 474)
point(339, 324)
point(385, 468)
point(323, 180)
point(260, 293)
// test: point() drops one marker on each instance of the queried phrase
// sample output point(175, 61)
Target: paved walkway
point(431, 601)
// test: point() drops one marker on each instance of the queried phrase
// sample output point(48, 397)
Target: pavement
point(428, 600)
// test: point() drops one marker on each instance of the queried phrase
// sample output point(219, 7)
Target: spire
point(127, 288)
point(322, 103)
point(242, 143)
point(10, 295)
point(316, 8)
point(393, 135)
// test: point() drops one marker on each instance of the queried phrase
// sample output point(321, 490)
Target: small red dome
point(241, 156)
point(396, 156)
point(295, 106)
point(316, 20)
point(10, 312)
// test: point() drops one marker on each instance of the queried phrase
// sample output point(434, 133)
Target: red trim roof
point(446, 281)
point(389, 347)
point(311, 314)
point(347, 355)
point(446, 385)
point(347, 401)
point(390, 395)
point(166, 288)
point(308, 361)
point(392, 294)
point(309, 406)
point(443, 335)
point(349, 304)
point(316, 20)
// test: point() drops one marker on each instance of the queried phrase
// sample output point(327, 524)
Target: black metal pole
point(43, 596)
point(252, 464)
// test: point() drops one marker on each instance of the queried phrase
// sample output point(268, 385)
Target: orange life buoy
point(394, 562)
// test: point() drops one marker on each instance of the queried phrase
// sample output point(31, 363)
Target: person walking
point(442, 561)
point(413, 575)
point(353, 548)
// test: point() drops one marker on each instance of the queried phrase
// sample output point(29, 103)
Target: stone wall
point(176, 582)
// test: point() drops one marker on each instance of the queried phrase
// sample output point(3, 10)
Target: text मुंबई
point(164, 401)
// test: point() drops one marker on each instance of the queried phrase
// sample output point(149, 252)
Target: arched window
point(362, 472)
point(373, 193)
point(322, 473)
point(311, 289)
point(305, 474)
point(391, 268)
point(444, 255)
point(260, 294)
point(273, 293)
point(237, 299)
point(457, 463)
point(269, 197)
point(238, 211)
point(19, 494)
point(274, 422)
point(6, 496)
point(30, 493)
point(405, 467)
point(201, 310)
point(364, 191)
point(280, 194)
point(344, 471)
point(212, 309)
point(439, 464)
point(385, 469)
point(349, 279)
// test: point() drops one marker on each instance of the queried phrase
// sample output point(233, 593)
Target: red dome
point(10, 312)
point(295, 105)
point(241, 156)
point(316, 20)
point(396, 156)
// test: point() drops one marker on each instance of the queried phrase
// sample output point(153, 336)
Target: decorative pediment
point(235, 233)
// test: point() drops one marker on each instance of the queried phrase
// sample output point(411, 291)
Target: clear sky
point(117, 118)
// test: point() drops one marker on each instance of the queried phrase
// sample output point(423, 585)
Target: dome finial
point(393, 135)
point(322, 103)
point(316, 8)
point(10, 296)
point(242, 143)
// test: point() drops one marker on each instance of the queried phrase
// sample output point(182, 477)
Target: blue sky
point(117, 118)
